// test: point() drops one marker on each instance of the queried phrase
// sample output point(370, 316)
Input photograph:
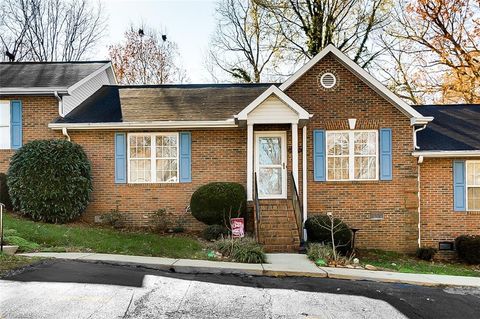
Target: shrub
point(23, 244)
point(114, 219)
point(318, 231)
point(468, 248)
point(161, 220)
point(4, 196)
point(215, 203)
point(426, 253)
point(50, 180)
point(316, 251)
point(244, 250)
point(214, 232)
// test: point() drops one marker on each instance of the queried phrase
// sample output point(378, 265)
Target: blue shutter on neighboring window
point(15, 124)
point(120, 158)
point(459, 191)
point(386, 154)
point(185, 157)
point(319, 174)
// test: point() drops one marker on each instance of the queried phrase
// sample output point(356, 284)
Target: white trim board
point(440, 154)
point(373, 83)
point(273, 90)
point(143, 125)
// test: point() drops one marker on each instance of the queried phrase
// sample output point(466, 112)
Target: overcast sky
point(187, 22)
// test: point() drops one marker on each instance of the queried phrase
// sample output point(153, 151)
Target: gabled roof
point(454, 128)
point(46, 77)
point(163, 105)
point(416, 117)
point(273, 90)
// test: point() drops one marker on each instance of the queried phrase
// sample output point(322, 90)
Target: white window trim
point(467, 185)
point(153, 158)
point(351, 156)
point(8, 125)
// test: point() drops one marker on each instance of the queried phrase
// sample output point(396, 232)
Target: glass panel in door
point(270, 166)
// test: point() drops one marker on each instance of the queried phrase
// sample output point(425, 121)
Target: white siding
point(85, 90)
point(273, 110)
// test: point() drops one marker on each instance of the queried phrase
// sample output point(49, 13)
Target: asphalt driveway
point(73, 289)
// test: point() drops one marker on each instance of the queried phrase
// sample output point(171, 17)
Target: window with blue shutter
point(386, 154)
point(319, 156)
point(120, 158)
point(459, 191)
point(15, 124)
point(185, 157)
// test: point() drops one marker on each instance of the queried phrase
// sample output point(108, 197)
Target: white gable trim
point(91, 76)
point(273, 90)
point(363, 75)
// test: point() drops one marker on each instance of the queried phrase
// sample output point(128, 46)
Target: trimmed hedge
point(468, 248)
point(50, 180)
point(4, 196)
point(214, 203)
point(318, 234)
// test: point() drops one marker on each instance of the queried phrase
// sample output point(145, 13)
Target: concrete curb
point(282, 265)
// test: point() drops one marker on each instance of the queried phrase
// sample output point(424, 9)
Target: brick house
point(331, 138)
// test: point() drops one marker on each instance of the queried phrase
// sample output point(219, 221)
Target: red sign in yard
point(238, 227)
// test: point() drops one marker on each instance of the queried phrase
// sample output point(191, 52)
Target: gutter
point(144, 125)
point(34, 91)
point(445, 154)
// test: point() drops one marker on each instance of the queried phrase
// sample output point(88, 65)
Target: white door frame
point(283, 136)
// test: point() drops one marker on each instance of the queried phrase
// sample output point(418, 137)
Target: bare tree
point(442, 38)
point(310, 25)
point(146, 57)
point(50, 30)
point(244, 46)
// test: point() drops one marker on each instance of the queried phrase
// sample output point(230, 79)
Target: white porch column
point(295, 153)
point(249, 161)
point(304, 178)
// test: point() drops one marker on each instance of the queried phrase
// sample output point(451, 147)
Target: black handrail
point(257, 205)
point(297, 207)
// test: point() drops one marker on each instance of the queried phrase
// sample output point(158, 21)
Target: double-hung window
point(473, 185)
point(5, 124)
point(352, 155)
point(153, 157)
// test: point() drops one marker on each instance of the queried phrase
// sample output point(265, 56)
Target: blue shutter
point(319, 156)
point(459, 191)
point(120, 158)
point(15, 124)
point(185, 157)
point(386, 154)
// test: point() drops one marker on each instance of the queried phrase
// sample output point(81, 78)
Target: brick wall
point(357, 202)
point(439, 222)
point(217, 155)
point(38, 111)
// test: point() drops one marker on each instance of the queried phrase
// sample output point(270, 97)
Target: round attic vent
point(328, 80)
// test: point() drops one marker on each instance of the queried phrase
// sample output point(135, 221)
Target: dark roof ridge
point(189, 85)
point(446, 105)
point(56, 62)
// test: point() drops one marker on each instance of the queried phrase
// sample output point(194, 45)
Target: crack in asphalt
point(128, 307)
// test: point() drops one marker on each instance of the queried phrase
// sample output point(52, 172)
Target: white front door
point(271, 164)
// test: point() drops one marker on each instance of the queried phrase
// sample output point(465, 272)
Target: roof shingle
point(454, 128)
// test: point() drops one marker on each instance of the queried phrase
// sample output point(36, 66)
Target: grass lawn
point(387, 260)
point(71, 237)
point(8, 263)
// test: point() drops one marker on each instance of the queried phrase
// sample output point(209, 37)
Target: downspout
point(415, 131)
point(420, 161)
point(60, 103)
point(304, 180)
point(65, 133)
